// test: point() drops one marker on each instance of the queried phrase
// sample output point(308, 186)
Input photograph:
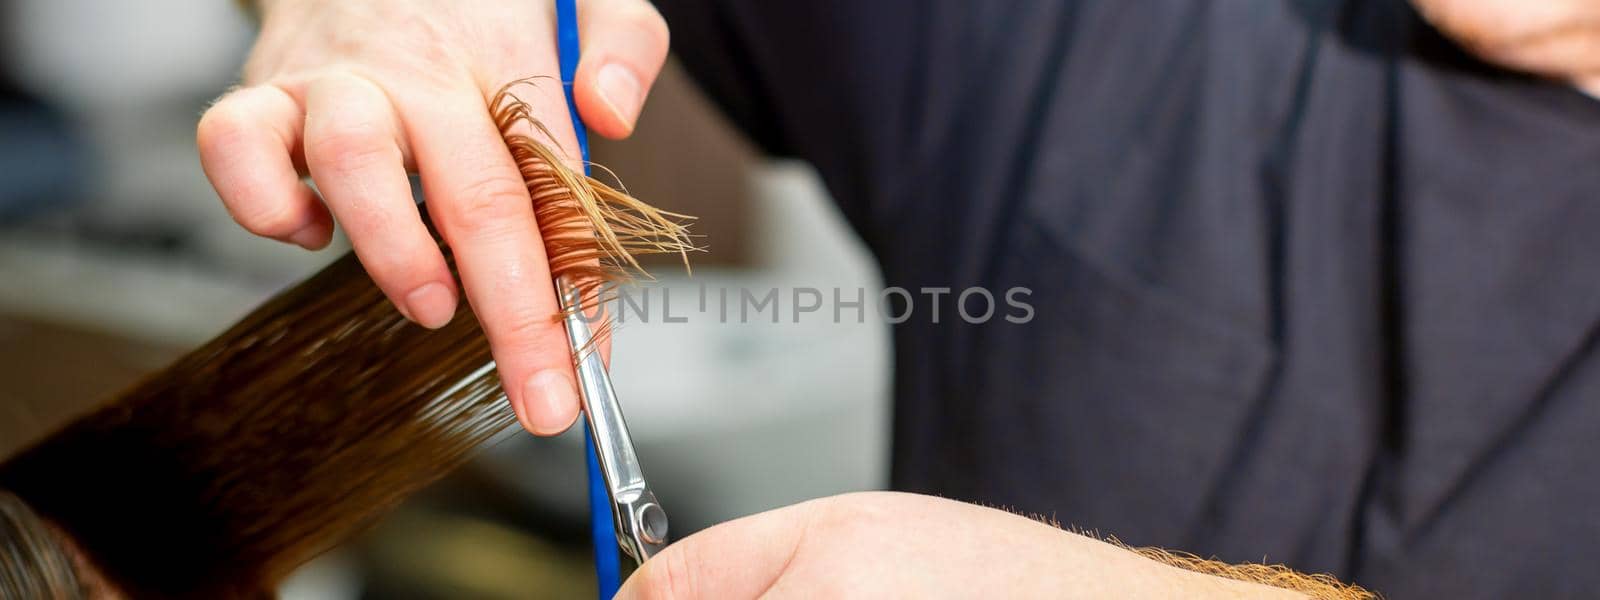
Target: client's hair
point(33, 561)
point(304, 422)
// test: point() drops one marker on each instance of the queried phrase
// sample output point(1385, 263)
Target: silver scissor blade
point(641, 523)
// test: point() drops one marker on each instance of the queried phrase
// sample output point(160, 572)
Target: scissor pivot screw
point(653, 524)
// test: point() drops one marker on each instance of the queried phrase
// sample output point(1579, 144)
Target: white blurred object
point(732, 418)
point(134, 77)
point(332, 576)
point(113, 54)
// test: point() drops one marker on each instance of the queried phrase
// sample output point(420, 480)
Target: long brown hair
point(307, 420)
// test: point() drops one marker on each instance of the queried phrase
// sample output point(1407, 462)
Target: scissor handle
point(641, 523)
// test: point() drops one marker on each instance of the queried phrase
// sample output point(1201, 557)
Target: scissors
point(641, 524)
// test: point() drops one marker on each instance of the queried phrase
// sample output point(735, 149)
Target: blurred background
point(116, 257)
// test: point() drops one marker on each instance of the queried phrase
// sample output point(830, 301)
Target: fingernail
point(431, 305)
point(310, 237)
point(549, 402)
point(620, 90)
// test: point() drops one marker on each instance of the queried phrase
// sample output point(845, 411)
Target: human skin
point(356, 93)
point(1559, 39)
point(894, 545)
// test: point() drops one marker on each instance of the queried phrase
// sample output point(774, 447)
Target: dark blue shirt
point(1311, 284)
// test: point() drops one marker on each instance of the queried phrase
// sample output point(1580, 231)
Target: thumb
point(737, 559)
point(624, 44)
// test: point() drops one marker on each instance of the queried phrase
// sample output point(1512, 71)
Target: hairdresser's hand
point(356, 93)
point(1559, 39)
point(886, 545)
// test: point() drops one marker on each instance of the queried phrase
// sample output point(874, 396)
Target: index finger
point(478, 198)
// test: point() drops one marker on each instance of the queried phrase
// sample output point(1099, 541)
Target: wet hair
point(303, 423)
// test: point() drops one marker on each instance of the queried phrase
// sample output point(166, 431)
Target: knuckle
point(524, 331)
point(266, 218)
point(398, 262)
point(220, 127)
point(489, 203)
point(346, 147)
point(668, 577)
point(642, 19)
